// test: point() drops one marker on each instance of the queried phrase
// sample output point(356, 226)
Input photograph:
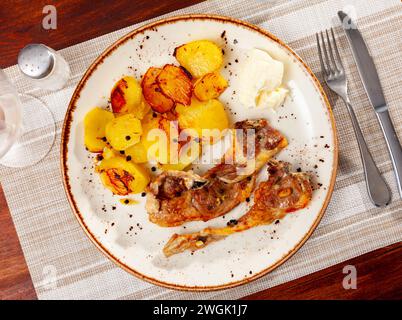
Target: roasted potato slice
point(141, 110)
point(137, 153)
point(123, 177)
point(94, 128)
point(199, 57)
point(108, 153)
point(176, 84)
point(126, 95)
point(201, 115)
point(153, 93)
point(180, 166)
point(123, 132)
point(210, 86)
point(155, 137)
point(187, 154)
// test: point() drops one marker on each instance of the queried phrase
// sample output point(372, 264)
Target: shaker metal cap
point(36, 61)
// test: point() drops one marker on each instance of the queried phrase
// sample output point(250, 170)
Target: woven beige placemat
point(64, 264)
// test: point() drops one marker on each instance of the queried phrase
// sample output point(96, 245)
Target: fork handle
point(394, 146)
point(377, 188)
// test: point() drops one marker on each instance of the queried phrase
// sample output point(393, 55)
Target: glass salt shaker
point(45, 68)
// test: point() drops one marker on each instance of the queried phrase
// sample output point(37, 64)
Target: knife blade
point(369, 76)
point(365, 64)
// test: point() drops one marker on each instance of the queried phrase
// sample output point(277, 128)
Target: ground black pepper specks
point(232, 223)
point(232, 59)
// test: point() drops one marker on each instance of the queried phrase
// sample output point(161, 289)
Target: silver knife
point(372, 85)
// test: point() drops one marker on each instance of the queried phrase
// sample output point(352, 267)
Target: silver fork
point(335, 78)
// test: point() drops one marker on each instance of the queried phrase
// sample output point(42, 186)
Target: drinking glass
point(27, 127)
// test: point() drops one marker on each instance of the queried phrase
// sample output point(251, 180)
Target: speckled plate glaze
point(124, 233)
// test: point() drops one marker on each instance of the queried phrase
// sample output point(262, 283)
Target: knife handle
point(394, 146)
point(378, 190)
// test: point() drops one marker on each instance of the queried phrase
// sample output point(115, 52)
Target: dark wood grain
point(379, 276)
point(379, 272)
point(77, 21)
point(15, 281)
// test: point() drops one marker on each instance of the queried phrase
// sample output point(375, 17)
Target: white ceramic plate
point(124, 233)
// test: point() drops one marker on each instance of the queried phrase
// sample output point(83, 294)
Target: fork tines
point(331, 63)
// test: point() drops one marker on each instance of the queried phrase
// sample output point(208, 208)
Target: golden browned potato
point(210, 86)
point(137, 153)
point(123, 177)
point(201, 115)
point(123, 132)
point(176, 84)
point(108, 153)
point(153, 93)
point(126, 95)
point(155, 137)
point(199, 57)
point(142, 109)
point(94, 128)
point(187, 154)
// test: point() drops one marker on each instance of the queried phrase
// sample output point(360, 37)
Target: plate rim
point(65, 135)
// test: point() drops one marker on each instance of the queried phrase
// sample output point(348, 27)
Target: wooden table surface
point(379, 273)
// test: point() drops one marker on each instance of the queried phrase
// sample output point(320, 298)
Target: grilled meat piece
point(256, 143)
point(176, 197)
point(282, 193)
